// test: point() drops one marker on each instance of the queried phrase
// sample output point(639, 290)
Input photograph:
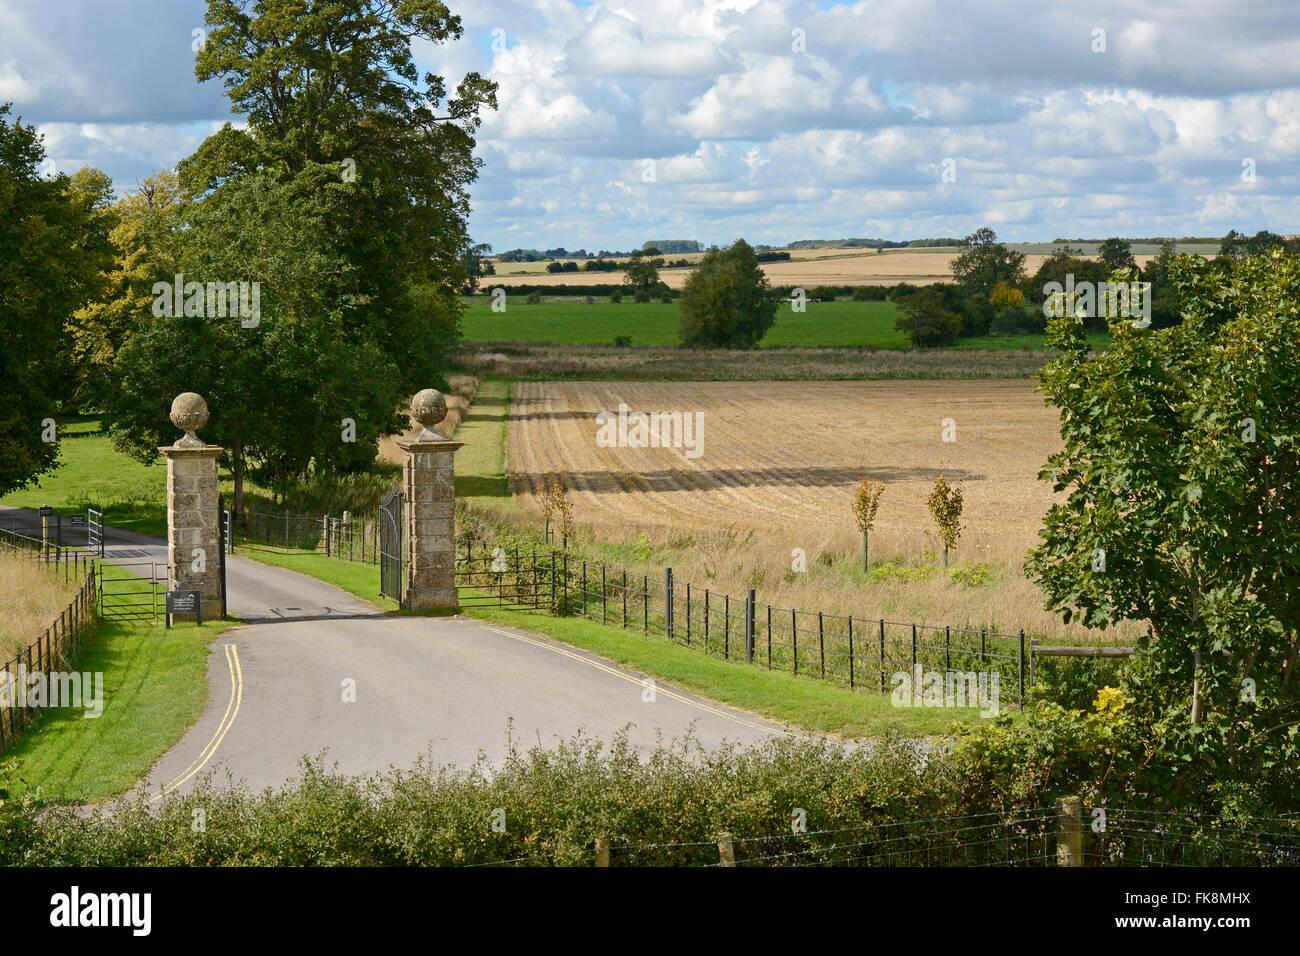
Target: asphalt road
point(316, 671)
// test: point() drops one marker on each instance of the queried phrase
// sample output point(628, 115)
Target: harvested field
point(828, 266)
point(787, 457)
point(776, 467)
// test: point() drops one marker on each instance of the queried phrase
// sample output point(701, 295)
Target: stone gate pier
point(193, 534)
point(428, 475)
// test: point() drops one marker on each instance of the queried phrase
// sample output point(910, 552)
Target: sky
point(773, 120)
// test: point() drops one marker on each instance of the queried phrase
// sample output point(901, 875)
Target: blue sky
point(774, 120)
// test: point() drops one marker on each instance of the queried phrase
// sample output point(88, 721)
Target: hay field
point(777, 465)
point(31, 596)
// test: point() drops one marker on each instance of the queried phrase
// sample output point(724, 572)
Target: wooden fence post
point(602, 852)
point(1069, 832)
point(726, 850)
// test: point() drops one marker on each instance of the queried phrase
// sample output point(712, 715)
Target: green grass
point(566, 320)
point(92, 472)
point(155, 688)
point(481, 464)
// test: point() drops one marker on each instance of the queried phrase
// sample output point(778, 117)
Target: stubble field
point(777, 466)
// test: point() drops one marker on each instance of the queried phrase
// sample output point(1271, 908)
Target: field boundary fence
point(61, 640)
point(1048, 836)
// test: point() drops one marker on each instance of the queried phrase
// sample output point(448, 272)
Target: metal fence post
point(749, 627)
point(668, 603)
point(1021, 663)
point(850, 652)
point(645, 604)
point(794, 639)
point(821, 643)
point(882, 655)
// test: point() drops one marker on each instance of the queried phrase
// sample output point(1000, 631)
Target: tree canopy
point(1181, 464)
point(726, 302)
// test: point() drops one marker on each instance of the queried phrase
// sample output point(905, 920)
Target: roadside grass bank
point(155, 688)
point(32, 595)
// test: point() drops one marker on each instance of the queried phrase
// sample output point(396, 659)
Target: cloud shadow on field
point(674, 479)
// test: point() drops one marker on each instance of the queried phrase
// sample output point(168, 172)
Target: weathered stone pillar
point(428, 483)
point(193, 541)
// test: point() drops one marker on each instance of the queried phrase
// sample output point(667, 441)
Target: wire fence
point(931, 665)
point(1036, 837)
point(62, 639)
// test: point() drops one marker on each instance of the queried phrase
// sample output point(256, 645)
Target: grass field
point(566, 320)
point(32, 595)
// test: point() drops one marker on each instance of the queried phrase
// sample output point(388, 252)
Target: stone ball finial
point(428, 407)
point(189, 414)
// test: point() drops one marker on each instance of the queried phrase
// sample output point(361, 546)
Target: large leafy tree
point(145, 233)
point(726, 302)
point(927, 318)
point(641, 275)
point(1182, 469)
point(346, 198)
point(52, 247)
point(986, 262)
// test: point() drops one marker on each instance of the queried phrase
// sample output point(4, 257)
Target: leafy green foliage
point(927, 319)
point(53, 243)
point(1182, 470)
point(725, 302)
point(986, 262)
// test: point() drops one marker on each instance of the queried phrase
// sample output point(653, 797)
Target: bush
point(533, 298)
point(1011, 321)
point(826, 293)
point(616, 295)
point(642, 296)
point(666, 297)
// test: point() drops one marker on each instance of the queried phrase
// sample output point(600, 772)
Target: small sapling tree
point(866, 499)
point(945, 506)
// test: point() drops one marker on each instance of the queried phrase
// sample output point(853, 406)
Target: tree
point(641, 274)
point(927, 319)
point(346, 197)
point(1181, 467)
point(945, 504)
point(986, 262)
point(866, 500)
point(473, 262)
point(725, 302)
point(145, 237)
point(1006, 296)
point(50, 243)
point(1115, 254)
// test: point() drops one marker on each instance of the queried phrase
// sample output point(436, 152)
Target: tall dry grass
point(31, 596)
point(988, 588)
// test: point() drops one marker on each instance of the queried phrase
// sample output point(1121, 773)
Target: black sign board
point(184, 602)
point(78, 519)
point(46, 511)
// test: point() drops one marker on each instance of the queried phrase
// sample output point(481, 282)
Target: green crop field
point(562, 320)
point(568, 321)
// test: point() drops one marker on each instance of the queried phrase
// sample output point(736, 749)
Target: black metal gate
point(391, 544)
point(222, 518)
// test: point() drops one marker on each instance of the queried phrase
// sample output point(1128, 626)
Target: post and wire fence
point(53, 649)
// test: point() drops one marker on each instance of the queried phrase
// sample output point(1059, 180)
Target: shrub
point(533, 298)
point(616, 296)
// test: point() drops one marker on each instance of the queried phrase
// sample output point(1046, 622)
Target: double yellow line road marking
point(227, 720)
